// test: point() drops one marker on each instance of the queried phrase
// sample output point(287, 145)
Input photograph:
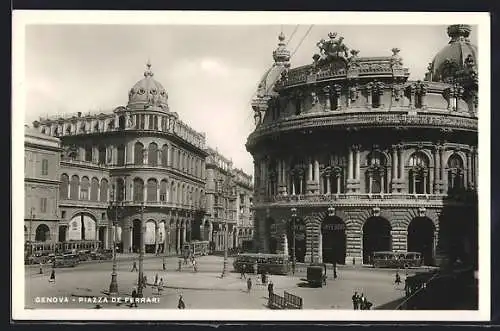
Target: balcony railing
point(353, 196)
point(104, 204)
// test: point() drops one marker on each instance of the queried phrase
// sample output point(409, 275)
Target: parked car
point(316, 274)
point(102, 254)
point(84, 255)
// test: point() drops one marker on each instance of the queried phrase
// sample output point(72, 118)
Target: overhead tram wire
point(293, 33)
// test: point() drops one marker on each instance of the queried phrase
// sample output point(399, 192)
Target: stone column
point(328, 185)
point(444, 178)
point(470, 182)
point(310, 171)
point(156, 237)
point(431, 181)
point(356, 170)
point(435, 182)
point(320, 247)
point(146, 122)
point(106, 238)
point(476, 167)
point(401, 164)
point(316, 171)
point(166, 241)
point(370, 182)
point(177, 239)
point(130, 239)
point(394, 168)
point(210, 232)
point(350, 164)
point(184, 228)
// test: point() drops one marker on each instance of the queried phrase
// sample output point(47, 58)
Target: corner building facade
point(137, 166)
point(369, 160)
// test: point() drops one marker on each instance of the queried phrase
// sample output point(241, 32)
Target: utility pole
point(140, 281)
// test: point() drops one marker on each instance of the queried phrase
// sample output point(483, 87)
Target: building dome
point(458, 54)
point(148, 93)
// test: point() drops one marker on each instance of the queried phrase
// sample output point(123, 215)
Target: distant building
point(366, 160)
point(41, 186)
point(228, 201)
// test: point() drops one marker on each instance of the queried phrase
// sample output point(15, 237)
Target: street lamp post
point(113, 286)
point(140, 281)
point(294, 216)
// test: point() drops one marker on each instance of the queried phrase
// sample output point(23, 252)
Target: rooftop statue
point(333, 48)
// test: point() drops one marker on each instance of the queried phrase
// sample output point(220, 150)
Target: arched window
point(164, 155)
point(104, 190)
point(84, 188)
point(102, 155)
point(172, 194)
point(138, 153)
point(94, 189)
point(120, 189)
point(455, 173)
point(418, 173)
point(121, 155)
point(178, 159)
point(64, 187)
point(163, 191)
point(88, 153)
point(153, 154)
point(152, 190)
point(74, 184)
point(201, 198)
point(42, 233)
point(376, 173)
point(179, 193)
point(138, 190)
point(172, 156)
point(272, 180)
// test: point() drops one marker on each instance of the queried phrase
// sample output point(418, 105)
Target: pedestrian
point(160, 286)
point(195, 268)
point(397, 281)
point(156, 280)
point(52, 278)
point(164, 265)
point(41, 270)
point(362, 302)
point(243, 267)
point(263, 277)
point(255, 268)
point(270, 288)
point(134, 267)
point(144, 281)
point(249, 284)
point(180, 265)
point(355, 300)
point(134, 297)
point(181, 304)
point(334, 270)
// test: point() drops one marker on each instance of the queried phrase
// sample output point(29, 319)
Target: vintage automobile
point(66, 260)
point(102, 254)
point(316, 274)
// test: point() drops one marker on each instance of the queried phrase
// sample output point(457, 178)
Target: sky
point(210, 72)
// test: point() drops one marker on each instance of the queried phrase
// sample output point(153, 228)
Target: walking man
point(181, 304)
point(243, 267)
point(249, 284)
point(52, 278)
point(355, 301)
point(362, 302)
point(134, 267)
point(397, 281)
point(160, 286)
point(134, 297)
point(270, 288)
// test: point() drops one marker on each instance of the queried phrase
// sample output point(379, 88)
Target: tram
point(275, 264)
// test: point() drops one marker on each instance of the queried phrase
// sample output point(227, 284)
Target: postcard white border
point(21, 19)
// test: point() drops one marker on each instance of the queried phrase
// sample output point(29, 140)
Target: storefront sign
point(333, 227)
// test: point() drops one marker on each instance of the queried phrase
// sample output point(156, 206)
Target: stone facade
point(41, 186)
point(369, 160)
point(228, 201)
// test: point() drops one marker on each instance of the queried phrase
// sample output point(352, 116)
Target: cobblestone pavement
point(202, 290)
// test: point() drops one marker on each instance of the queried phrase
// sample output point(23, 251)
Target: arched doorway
point(42, 233)
point(376, 237)
point(82, 227)
point(102, 235)
point(334, 240)
point(136, 236)
point(421, 238)
point(150, 236)
point(300, 239)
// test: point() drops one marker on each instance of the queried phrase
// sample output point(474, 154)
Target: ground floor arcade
point(352, 234)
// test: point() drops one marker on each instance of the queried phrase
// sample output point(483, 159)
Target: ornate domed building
point(139, 164)
point(363, 159)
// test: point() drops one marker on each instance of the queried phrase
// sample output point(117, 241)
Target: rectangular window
point(45, 167)
point(103, 216)
point(43, 205)
point(163, 197)
point(63, 214)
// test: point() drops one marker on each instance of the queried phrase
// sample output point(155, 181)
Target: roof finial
point(148, 71)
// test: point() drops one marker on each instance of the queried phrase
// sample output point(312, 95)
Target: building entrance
point(376, 237)
point(334, 240)
point(421, 238)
